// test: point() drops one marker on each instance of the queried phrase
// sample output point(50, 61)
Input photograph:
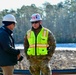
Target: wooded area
point(60, 19)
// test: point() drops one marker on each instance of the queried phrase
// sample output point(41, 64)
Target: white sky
point(14, 4)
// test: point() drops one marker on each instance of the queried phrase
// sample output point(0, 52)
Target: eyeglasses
point(35, 22)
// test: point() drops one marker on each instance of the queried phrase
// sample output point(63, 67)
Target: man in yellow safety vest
point(39, 46)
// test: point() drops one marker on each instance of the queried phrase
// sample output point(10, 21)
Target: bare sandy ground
point(63, 58)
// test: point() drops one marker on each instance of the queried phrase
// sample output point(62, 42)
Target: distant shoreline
point(57, 48)
point(65, 48)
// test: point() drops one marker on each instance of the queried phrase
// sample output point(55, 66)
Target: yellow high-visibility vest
point(38, 45)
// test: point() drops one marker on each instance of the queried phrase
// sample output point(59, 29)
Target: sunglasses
point(35, 22)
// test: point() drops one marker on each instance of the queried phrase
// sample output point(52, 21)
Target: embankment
point(63, 58)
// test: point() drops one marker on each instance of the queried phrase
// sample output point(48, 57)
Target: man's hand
point(19, 57)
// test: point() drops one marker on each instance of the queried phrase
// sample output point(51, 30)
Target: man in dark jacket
point(39, 46)
point(8, 54)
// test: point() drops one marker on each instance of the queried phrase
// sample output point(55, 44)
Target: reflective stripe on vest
point(41, 44)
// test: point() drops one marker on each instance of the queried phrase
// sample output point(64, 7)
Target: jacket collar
point(7, 30)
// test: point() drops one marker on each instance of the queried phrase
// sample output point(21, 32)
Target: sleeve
point(26, 45)
point(6, 44)
point(52, 44)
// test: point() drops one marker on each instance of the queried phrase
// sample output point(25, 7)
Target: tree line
point(60, 19)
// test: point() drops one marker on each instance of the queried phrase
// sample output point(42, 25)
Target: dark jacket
point(8, 54)
point(51, 41)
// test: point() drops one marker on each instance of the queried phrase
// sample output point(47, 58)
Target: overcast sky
point(14, 4)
